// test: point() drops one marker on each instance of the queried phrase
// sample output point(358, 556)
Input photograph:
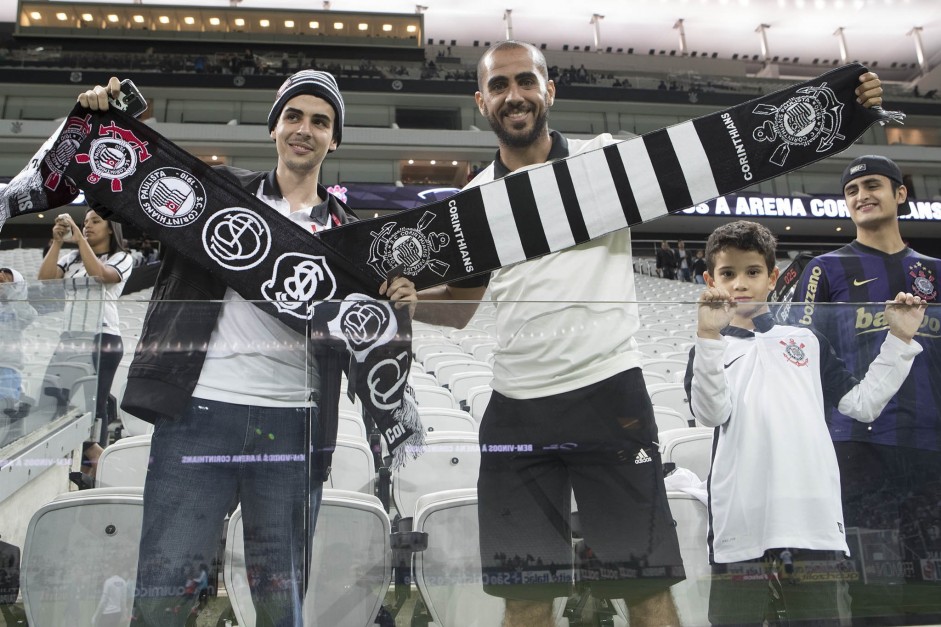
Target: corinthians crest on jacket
point(794, 352)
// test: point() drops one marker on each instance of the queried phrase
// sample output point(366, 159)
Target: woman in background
point(100, 254)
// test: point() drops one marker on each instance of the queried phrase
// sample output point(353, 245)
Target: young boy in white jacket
point(774, 482)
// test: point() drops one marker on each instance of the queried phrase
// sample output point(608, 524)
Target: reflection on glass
point(368, 560)
point(46, 354)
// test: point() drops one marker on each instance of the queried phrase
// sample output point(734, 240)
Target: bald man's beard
point(515, 139)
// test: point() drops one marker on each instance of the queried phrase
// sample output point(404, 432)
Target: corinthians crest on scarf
point(411, 247)
point(814, 115)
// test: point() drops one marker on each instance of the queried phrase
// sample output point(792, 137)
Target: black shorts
point(601, 442)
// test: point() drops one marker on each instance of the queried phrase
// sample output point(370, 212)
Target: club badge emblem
point(812, 116)
point(114, 156)
point(298, 280)
point(76, 129)
point(923, 282)
point(794, 352)
point(236, 238)
point(172, 197)
point(410, 247)
point(364, 323)
point(385, 379)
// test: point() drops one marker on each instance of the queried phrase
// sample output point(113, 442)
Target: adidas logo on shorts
point(642, 457)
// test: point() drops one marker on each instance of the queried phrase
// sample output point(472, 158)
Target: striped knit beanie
point(314, 83)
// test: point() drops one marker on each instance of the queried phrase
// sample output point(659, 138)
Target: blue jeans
point(201, 466)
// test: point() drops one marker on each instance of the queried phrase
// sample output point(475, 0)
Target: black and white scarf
point(150, 182)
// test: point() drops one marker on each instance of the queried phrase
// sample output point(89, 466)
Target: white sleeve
point(122, 262)
point(885, 376)
point(709, 394)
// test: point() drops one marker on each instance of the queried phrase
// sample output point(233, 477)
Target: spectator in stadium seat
point(240, 386)
point(891, 466)
point(15, 315)
point(565, 372)
point(699, 267)
point(765, 387)
point(683, 262)
point(100, 254)
point(666, 261)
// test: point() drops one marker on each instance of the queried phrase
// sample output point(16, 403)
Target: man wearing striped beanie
point(243, 391)
point(312, 83)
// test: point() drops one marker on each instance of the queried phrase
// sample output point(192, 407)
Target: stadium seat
point(649, 335)
point(351, 563)
point(484, 351)
point(668, 419)
point(352, 424)
point(689, 448)
point(451, 460)
point(436, 419)
point(469, 344)
point(423, 351)
point(654, 377)
point(60, 378)
point(124, 463)
point(678, 342)
point(432, 361)
point(672, 395)
point(73, 545)
point(672, 369)
point(353, 467)
point(461, 383)
point(434, 396)
point(354, 405)
point(448, 571)
point(477, 400)
point(459, 335)
point(655, 349)
point(447, 369)
point(422, 378)
point(691, 595)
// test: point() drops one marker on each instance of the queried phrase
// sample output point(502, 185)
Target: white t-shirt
point(254, 358)
point(71, 265)
point(565, 320)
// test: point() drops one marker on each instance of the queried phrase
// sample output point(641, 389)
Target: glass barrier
point(49, 351)
point(544, 477)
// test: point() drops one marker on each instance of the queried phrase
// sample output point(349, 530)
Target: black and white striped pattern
point(581, 198)
point(549, 208)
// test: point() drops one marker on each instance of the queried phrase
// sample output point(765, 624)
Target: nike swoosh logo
point(733, 361)
point(857, 282)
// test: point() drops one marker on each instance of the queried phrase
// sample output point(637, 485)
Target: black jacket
point(175, 336)
point(666, 259)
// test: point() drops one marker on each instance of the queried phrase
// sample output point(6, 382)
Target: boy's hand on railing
point(716, 309)
point(904, 315)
